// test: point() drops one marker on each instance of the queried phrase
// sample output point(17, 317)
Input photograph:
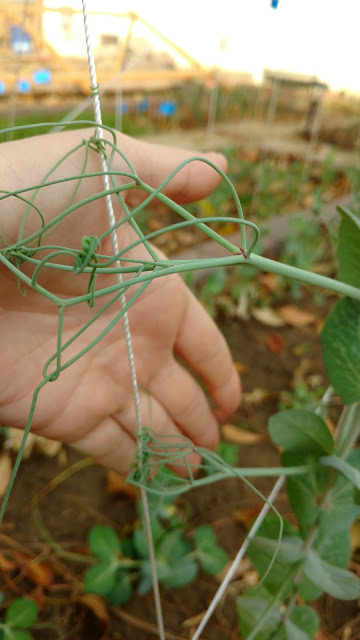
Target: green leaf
point(344, 467)
point(250, 609)
point(340, 339)
point(104, 542)
point(10, 633)
point(212, 558)
point(100, 578)
point(294, 632)
point(228, 451)
point(306, 619)
point(261, 556)
point(173, 546)
point(175, 564)
point(298, 430)
point(22, 612)
point(348, 252)
point(145, 582)
point(339, 583)
point(333, 547)
point(122, 591)
point(214, 284)
point(340, 510)
point(180, 573)
point(290, 550)
point(305, 491)
point(140, 543)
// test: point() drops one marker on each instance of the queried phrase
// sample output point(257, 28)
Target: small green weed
point(123, 566)
point(20, 615)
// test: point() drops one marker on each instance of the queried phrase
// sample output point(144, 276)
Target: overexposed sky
point(319, 37)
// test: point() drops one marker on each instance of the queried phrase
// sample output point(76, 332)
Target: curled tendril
point(96, 144)
point(87, 254)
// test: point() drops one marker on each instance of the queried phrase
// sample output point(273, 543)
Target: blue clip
point(274, 4)
point(23, 86)
point(42, 76)
point(167, 108)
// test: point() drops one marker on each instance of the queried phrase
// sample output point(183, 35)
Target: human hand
point(91, 405)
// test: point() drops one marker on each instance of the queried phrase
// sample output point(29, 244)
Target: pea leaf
point(22, 612)
point(333, 547)
point(176, 566)
point(348, 252)
point(337, 582)
point(212, 558)
point(304, 491)
point(228, 451)
point(306, 619)
point(261, 556)
point(11, 633)
point(250, 608)
point(300, 431)
point(344, 467)
point(180, 573)
point(100, 578)
point(341, 509)
point(293, 632)
point(340, 339)
point(122, 590)
point(103, 542)
point(290, 550)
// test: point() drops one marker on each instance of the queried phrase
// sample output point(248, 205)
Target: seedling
point(123, 566)
point(20, 615)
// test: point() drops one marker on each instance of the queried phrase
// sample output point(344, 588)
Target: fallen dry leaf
point(241, 367)
point(322, 636)
point(300, 372)
point(275, 342)
point(296, 317)
point(16, 436)
point(38, 595)
point(98, 607)
point(47, 447)
point(257, 396)
point(6, 564)
point(236, 435)
point(268, 316)
point(251, 578)
point(330, 425)
point(5, 471)
point(245, 516)
point(243, 567)
point(355, 535)
point(115, 483)
point(269, 281)
point(40, 573)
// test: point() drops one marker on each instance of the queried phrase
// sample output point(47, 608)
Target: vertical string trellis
point(126, 324)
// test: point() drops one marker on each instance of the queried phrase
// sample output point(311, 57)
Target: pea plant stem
point(239, 556)
point(347, 434)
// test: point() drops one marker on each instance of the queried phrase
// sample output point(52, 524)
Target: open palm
point(91, 404)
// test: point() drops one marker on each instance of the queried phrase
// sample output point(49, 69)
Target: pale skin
point(91, 405)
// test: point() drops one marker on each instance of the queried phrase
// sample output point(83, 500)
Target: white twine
point(112, 222)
